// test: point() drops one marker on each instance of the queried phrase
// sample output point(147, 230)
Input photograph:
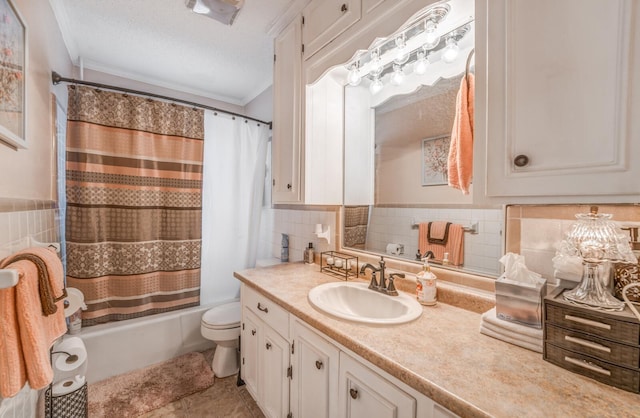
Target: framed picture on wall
point(435, 153)
point(13, 57)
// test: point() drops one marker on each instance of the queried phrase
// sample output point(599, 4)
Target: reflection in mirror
point(396, 147)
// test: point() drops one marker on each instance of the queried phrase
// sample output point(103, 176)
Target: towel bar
point(472, 229)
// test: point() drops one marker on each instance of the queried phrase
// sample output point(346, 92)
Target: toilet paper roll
point(73, 301)
point(392, 248)
point(75, 363)
point(67, 386)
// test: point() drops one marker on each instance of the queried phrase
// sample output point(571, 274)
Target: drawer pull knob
point(586, 343)
point(318, 364)
point(589, 322)
point(253, 332)
point(521, 160)
point(587, 365)
point(344, 8)
point(268, 345)
point(263, 308)
point(354, 393)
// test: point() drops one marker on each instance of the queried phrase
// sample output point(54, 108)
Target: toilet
point(221, 325)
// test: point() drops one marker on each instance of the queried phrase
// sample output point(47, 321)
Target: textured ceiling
point(162, 42)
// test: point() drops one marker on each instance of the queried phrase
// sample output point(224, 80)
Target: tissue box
point(520, 302)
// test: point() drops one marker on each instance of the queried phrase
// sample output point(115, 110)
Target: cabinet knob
point(253, 332)
point(268, 346)
point(521, 160)
point(288, 186)
point(354, 393)
point(263, 308)
point(318, 364)
point(344, 8)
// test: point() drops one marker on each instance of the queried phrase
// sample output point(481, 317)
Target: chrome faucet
point(382, 287)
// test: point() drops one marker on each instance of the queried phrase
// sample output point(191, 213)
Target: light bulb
point(376, 63)
point(420, 66)
point(402, 55)
point(398, 76)
point(354, 76)
point(376, 85)
point(450, 52)
point(431, 38)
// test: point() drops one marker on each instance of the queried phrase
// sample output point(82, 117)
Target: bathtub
point(120, 347)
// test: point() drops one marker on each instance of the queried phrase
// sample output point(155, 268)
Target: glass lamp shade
point(597, 240)
point(431, 39)
point(420, 66)
point(375, 86)
point(397, 77)
point(354, 76)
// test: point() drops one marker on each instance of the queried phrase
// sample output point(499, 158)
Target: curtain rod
point(57, 79)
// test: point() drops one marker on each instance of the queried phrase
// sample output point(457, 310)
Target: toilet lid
point(223, 316)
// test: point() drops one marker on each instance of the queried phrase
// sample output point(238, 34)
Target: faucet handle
point(391, 287)
point(373, 284)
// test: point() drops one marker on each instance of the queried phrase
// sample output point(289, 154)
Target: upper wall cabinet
point(562, 99)
point(287, 141)
point(324, 20)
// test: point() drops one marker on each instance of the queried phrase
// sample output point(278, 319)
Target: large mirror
point(399, 110)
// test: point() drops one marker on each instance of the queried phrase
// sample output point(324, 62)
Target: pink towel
point(460, 164)
point(454, 245)
point(26, 334)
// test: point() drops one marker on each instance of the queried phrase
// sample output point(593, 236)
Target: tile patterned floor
point(223, 399)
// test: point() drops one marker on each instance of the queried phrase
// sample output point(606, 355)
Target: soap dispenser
point(426, 285)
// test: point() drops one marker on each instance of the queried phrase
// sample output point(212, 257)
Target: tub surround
point(443, 355)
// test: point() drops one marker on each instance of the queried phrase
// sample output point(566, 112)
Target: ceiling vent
point(224, 11)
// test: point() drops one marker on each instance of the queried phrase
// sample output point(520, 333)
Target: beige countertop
point(443, 355)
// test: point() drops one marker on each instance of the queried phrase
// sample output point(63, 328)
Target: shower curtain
point(235, 167)
point(134, 205)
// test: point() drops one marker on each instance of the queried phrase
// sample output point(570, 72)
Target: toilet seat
point(221, 317)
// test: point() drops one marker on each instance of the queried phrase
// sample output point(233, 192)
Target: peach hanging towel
point(432, 237)
point(460, 161)
point(31, 319)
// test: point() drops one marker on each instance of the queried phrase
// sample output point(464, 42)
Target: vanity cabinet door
point(324, 20)
point(563, 97)
point(286, 142)
point(365, 394)
point(314, 383)
point(273, 360)
point(249, 347)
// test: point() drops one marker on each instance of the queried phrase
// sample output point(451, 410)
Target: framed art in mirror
point(435, 153)
point(13, 57)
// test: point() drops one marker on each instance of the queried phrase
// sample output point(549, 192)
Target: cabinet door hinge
point(303, 48)
point(243, 361)
point(303, 20)
point(243, 325)
point(274, 57)
point(290, 372)
point(290, 415)
point(273, 181)
point(293, 344)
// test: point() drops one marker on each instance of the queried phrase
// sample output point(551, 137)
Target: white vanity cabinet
point(562, 98)
point(314, 380)
point(265, 352)
point(364, 394)
point(286, 146)
point(293, 370)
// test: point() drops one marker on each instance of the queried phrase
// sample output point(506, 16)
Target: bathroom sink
point(355, 302)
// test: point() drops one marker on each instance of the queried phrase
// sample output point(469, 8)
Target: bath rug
point(143, 390)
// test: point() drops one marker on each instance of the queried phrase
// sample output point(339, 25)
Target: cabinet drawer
point(606, 327)
point(272, 314)
point(579, 342)
point(602, 371)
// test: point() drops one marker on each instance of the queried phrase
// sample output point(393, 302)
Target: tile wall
point(535, 230)
point(21, 219)
point(481, 251)
point(299, 224)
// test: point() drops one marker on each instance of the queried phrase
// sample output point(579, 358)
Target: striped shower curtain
point(134, 204)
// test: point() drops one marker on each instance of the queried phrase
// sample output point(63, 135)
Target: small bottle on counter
point(445, 259)
point(426, 292)
point(284, 250)
point(309, 254)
